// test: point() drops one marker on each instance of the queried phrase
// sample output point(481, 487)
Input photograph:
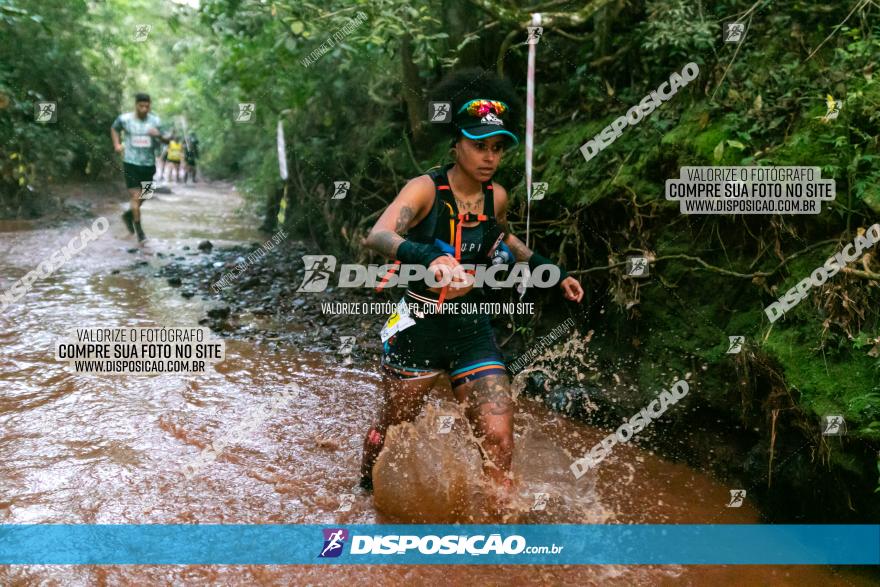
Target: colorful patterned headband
point(481, 107)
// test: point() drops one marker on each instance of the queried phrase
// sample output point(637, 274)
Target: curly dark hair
point(464, 85)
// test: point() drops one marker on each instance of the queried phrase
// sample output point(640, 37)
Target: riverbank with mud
point(81, 448)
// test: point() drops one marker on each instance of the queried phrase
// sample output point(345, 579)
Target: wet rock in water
point(568, 400)
point(142, 263)
point(174, 281)
point(221, 326)
point(114, 272)
point(132, 250)
point(185, 247)
point(425, 476)
point(250, 283)
point(187, 294)
point(219, 313)
point(536, 384)
point(206, 246)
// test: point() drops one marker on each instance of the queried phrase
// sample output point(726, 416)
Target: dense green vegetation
point(357, 111)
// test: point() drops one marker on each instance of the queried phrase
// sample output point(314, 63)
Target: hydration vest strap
point(443, 192)
point(388, 275)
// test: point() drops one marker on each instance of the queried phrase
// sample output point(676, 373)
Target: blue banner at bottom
point(161, 544)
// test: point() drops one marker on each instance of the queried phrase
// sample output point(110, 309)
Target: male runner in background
point(191, 155)
point(142, 137)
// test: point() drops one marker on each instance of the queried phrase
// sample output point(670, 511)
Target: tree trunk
point(412, 92)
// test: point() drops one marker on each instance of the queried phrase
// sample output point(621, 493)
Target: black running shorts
point(462, 344)
point(135, 174)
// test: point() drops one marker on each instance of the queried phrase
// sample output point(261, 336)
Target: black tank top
point(471, 243)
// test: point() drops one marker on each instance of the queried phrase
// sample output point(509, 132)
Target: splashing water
point(425, 476)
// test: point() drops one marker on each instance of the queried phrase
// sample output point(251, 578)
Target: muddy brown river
point(108, 449)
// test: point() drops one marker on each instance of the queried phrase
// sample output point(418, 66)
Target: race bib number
point(399, 321)
point(141, 141)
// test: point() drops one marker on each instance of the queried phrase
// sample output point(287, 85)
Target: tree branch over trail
point(522, 17)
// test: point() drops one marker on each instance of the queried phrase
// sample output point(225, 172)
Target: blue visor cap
point(475, 122)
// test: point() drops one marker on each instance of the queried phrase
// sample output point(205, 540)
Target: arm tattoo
point(387, 241)
point(519, 249)
point(403, 219)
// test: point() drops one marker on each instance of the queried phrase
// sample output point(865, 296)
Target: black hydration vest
point(444, 222)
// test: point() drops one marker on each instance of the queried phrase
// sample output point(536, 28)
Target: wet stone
point(221, 312)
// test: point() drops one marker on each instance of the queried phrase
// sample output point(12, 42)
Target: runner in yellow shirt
point(174, 155)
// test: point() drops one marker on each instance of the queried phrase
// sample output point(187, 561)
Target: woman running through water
point(460, 209)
